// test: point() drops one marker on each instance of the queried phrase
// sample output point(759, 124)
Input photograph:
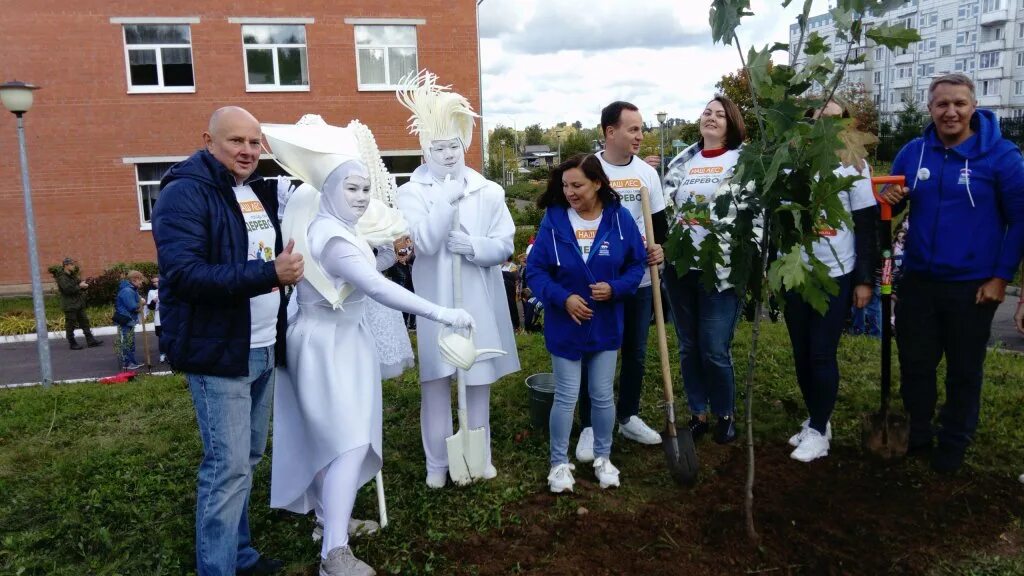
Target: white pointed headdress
point(437, 112)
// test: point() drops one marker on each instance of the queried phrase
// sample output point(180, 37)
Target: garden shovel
point(467, 449)
point(883, 434)
point(382, 507)
point(680, 452)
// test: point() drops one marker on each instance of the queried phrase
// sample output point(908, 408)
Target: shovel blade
point(885, 436)
point(681, 456)
point(467, 455)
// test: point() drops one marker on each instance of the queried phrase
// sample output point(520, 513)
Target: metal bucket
point(541, 390)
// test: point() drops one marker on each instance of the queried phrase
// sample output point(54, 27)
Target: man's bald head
point(234, 138)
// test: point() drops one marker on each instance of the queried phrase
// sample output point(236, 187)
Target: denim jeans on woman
point(234, 418)
point(815, 340)
point(705, 322)
point(601, 374)
point(126, 346)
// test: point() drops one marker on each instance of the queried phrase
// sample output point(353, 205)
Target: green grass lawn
point(101, 479)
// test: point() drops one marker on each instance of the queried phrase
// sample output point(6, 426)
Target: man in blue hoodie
point(222, 311)
point(965, 186)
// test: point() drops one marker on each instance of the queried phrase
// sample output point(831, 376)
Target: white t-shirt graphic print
point(627, 181)
point(585, 231)
point(263, 308)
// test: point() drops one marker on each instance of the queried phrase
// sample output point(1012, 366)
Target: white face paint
point(346, 193)
point(357, 194)
point(445, 158)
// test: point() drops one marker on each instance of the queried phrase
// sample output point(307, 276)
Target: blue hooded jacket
point(966, 204)
point(206, 278)
point(557, 271)
point(127, 301)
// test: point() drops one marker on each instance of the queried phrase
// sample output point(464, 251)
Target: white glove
point(460, 243)
point(456, 318)
point(453, 190)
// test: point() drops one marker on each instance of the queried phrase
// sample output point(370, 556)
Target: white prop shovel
point(467, 449)
point(382, 507)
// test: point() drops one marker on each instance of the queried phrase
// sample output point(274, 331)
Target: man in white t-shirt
point(627, 173)
point(222, 310)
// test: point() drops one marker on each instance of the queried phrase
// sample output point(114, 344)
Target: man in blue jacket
point(222, 309)
point(965, 184)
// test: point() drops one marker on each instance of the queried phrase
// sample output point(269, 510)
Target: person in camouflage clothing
point(72, 301)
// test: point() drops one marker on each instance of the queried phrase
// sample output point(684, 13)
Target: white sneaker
point(490, 473)
point(636, 430)
point(560, 478)
point(795, 439)
point(585, 446)
point(437, 480)
point(812, 447)
point(607, 474)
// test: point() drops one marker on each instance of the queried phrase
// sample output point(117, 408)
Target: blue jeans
point(636, 327)
point(815, 340)
point(234, 418)
point(705, 322)
point(601, 373)
point(126, 346)
point(868, 320)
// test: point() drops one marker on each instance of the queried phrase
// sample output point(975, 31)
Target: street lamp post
point(661, 130)
point(17, 98)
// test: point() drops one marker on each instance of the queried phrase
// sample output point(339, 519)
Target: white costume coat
point(484, 216)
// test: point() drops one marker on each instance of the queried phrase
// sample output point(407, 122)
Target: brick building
point(129, 86)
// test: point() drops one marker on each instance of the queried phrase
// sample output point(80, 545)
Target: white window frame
point(134, 162)
point(276, 86)
point(160, 88)
point(990, 59)
point(1020, 59)
point(991, 5)
point(878, 77)
point(396, 175)
point(947, 24)
point(926, 70)
point(390, 83)
point(985, 86)
point(879, 53)
point(946, 50)
point(1018, 87)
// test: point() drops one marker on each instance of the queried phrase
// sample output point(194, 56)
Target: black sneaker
point(94, 343)
point(263, 567)
point(725, 430)
point(76, 346)
point(697, 427)
point(947, 459)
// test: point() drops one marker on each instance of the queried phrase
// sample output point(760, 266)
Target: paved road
point(19, 364)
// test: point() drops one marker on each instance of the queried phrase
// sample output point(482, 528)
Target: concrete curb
point(79, 380)
point(54, 335)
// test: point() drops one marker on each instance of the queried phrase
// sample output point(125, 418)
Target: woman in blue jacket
point(126, 314)
point(587, 257)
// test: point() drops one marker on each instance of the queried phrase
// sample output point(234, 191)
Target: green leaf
point(779, 47)
point(815, 45)
point(725, 18)
point(759, 65)
point(843, 19)
point(788, 271)
point(893, 36)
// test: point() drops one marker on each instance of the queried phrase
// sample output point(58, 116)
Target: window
point(275, 57)
point(1020, 59)
point(920, 95)
point(927, 45)
point(990, 87)
point(147, 177)
point(158, 57)
point(907, 22)
point(964, 65)
point(1020, 30)
point(947, 24)
point(1018, 87)
point(384, 55)
point(991, 5)
point(925, 69)
point(878, 77)
point(946, 50)
point(997, 34)
point(905, 71)
point(965, 38)
point(401, 164)
point(879, 53)
point(878, 99)
point(930, 19)
point(989, 59)
point(967, 10)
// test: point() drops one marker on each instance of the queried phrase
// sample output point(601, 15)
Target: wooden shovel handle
point(659, 315)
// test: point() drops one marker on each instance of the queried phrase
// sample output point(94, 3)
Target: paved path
point(19, 363)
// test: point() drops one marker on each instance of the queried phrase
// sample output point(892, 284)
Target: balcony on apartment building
point(993, 101)
point(990, 73)
point(988, 45)
point(905, 82)
point(994, 17)
point(908, 8)
point(907, 58)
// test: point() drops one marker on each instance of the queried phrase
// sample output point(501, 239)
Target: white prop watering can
point(459, 350)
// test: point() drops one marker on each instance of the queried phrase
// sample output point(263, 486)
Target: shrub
point(103, 288)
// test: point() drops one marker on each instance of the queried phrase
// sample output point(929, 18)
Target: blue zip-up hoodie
point(206, 277)
point(127, 301)
point(557, 271)
point(967, 214)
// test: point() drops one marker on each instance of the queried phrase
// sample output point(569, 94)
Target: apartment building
point(127, 89)
point(981, 38)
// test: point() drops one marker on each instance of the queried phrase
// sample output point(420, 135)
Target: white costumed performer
point(327, 423)
point(438, 190)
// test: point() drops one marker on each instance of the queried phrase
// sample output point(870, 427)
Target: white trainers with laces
point(585, 446)
point(560, 478)
point(813, 446)
point(437, 480)
point(638, 431)
point(795, 439)
point(607, 474)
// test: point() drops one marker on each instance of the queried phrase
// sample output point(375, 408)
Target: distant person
point(153, 304)
point(72, 300)
point(587, 262)
point(127, 306)
point(223, 314)
point(965, 183)
point(622, 127)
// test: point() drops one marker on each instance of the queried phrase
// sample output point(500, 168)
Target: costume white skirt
point(394, 350)
point(328, 401)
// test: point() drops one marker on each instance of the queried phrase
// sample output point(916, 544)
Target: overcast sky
point(563, 60)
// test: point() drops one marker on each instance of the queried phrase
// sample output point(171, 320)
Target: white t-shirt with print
point(627, 181)
point(700, 185)
point(585, 230)
point(154, 296)
point(263, 308)
point(856, 198)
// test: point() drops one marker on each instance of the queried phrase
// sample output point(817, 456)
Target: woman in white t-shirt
point(850, 257)
point(705, 319)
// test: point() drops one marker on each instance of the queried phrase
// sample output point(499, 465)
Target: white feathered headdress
point(437, 112)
